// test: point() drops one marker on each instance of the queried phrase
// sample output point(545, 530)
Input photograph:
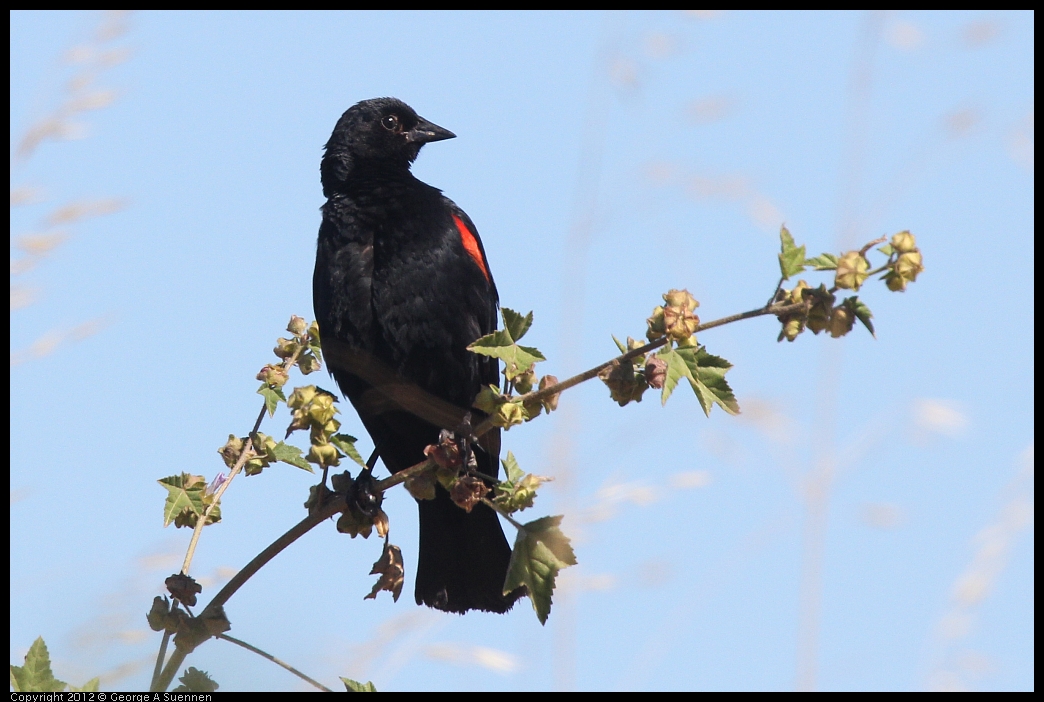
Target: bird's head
point(382, 133)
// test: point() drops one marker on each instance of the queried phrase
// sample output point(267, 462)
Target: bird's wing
point(490, 367)
point(343, 279)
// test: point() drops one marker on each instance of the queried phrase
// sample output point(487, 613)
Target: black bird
point(401, 275)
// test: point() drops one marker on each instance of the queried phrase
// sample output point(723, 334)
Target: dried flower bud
point(321, 409)
point(231, 450)
point(909, 265)
point(159, 615)
point(254, 465)
point(792, 326)
point(524, 382)
point(655, 371)
point(323, 455)
point(422, 486)
point(680, 322)
point(656, 325)
point(895, 282)
point(263, 443)
point(841, 321)
point(183, 588)
point(821, 309)
point(308, 364)
point(852, 270)
point(285, 348)
point(355, 523)
point(273, 375)
point(468, 491)
point(624, 386)
point(301, 396)
point(446, 453)
point(532, 409)
point(551, 403)
point(509, 414)
point(380, 523)
point(681, 298)
point(797, 294)
point(904, 242)
point(389, 566)
point(297, 325)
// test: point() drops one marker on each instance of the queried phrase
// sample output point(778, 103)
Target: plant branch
point(201, 521)
point(160, 656)
point(539, 395)
point(244, 455)
point(237, 581)
point(403, 475)
point(870, 245)
point(416, 400)
point(275, 660)
point(161, 683)
point(292, 535)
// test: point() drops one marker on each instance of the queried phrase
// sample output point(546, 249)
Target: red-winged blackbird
point(400, 274)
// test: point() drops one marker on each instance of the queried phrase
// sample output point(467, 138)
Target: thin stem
point(479, 474)
point(169, 670)
point(878, 270)
point(495, 507)
point(163, 679)
point(870, 245)
point(201, 521)
point(244, 455)
point(779, 286)
point(160, 656)
point(275, 660)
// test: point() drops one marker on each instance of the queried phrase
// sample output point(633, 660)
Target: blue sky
point(866, 523)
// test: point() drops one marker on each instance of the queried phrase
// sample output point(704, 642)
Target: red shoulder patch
point(471, 245)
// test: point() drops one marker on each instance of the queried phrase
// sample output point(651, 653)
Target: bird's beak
point(426, 132)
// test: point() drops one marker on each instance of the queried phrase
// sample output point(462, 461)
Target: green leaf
point(541, 550)
point(623, 348)
point(501, 337)
point(195, 680)
point(862, 313)
point(315, 347)
point(792, 257)
point(517, 359)
point(707, 378)
point(35, 675)
point(512, 470)
point(272, 397)
point(184, 492)
point(89, 686)
point(676, 370)
point(515, 324)
point(347, 445)
point(291, 454)
point(823, 262)
point(887, 249)
point(356, 686)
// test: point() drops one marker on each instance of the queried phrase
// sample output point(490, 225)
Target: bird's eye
point(390, 122)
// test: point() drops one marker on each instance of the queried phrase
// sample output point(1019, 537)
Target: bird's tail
point(463, 558)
